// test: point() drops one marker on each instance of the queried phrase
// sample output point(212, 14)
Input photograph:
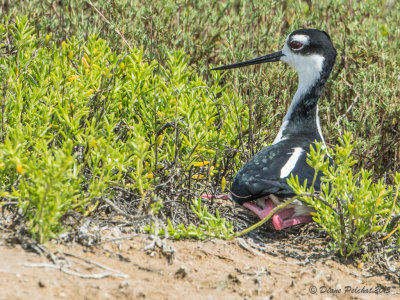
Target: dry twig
point(89, 261)
point(109, 23)
point(59, 264)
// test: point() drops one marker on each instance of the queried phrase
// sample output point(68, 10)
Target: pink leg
point(281, 219)
point(284, 218)
point(260, 212)
point(208, 196)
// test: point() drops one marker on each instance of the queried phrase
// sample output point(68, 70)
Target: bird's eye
point(296, 45)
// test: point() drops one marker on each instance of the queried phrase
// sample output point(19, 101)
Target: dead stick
point(109, 23)
point(69, 272)
point(89, 261)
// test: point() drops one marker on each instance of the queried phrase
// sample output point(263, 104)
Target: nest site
point(126, 214)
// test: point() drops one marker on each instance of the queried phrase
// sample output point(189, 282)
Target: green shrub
point(210, 226)
point(362, 95)
point(350, 206)
point(79, 119)
point(49, 185)
point(58, 87)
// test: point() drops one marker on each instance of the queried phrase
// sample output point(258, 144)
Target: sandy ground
point(214, 269)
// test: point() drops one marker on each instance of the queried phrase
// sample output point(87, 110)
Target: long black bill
point(267, 58)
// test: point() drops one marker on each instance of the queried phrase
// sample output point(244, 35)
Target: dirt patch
point(104, 256)
point(215, 269)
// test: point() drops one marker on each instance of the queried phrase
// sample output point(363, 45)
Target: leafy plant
point(49, 185)
point(361, 97)
point(210, 226)
point(350, 207)
point(61, 82)
point(80, 121)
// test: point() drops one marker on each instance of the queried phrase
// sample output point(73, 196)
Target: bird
point(261, 183)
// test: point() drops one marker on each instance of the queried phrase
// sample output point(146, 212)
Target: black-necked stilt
point(263, 178)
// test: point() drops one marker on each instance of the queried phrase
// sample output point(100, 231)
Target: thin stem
point(314, 179)
point(109, 23)
point(342, 226)
point(390, 234)
point(392, 210)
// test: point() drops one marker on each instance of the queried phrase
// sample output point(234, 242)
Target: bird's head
point(309, 51)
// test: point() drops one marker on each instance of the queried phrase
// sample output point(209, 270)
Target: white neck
point(309, 69)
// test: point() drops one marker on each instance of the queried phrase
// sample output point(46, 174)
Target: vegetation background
point(154, 125)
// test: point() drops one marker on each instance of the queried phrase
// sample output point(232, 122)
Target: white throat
point(309, 68)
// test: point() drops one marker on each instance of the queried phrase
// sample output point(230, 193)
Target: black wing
point(262, 174)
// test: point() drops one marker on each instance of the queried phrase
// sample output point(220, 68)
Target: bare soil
point(214, 269)
point(104, 256)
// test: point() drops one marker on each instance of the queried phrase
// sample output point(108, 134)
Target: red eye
point(295, 45)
